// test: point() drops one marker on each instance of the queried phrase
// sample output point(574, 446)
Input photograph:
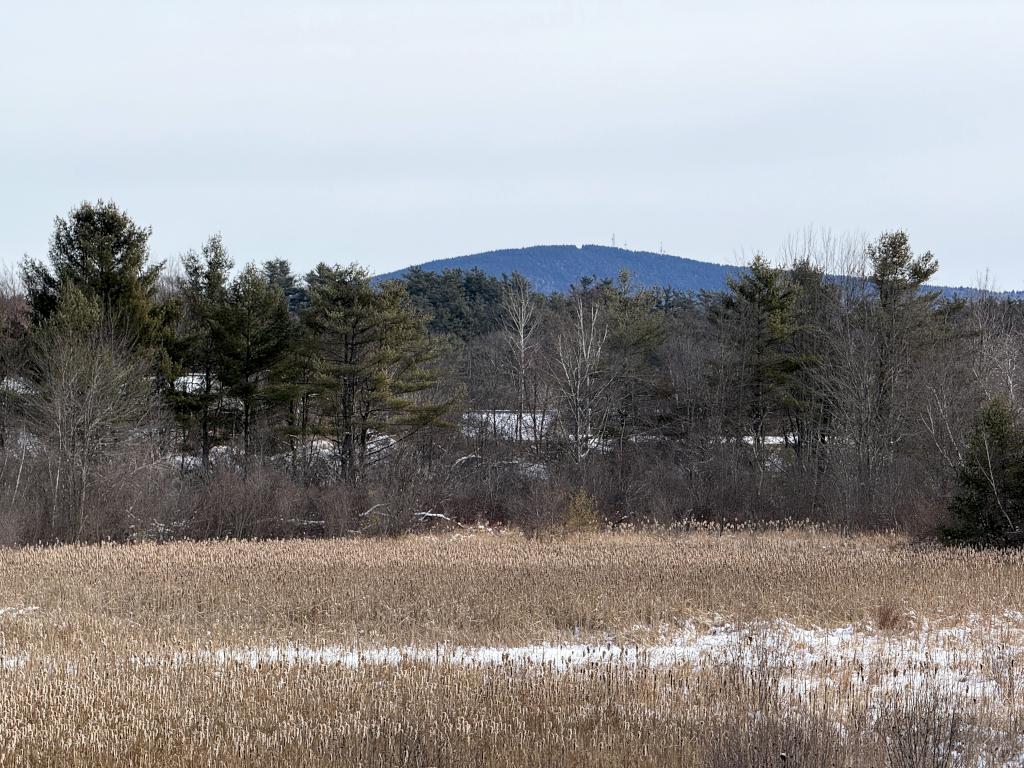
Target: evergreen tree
point(203, 337)
point(637, 331)
point(104, 255)
point(279, 274)
point(463, 304)
point(757, 317)
point(897, 274)
point(374, 358)
point(902, 315)
point(814, 303)
point(255, 338)
point(989, 503)
point(895, 326)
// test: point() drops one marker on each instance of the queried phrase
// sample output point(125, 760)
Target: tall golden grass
point(108, 653)
point(437, 715)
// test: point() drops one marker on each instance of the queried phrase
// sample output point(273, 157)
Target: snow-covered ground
point(974, 662)
point(976, 658)
point(979, 658)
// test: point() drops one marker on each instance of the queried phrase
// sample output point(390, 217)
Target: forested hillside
point(554, 268)
point(230, 399)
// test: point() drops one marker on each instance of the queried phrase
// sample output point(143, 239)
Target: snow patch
point(950, 658)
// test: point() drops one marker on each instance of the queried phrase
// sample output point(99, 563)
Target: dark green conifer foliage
point(103, 254)
point(814, 303)
point(902, 314)
point(757, 315)
point(374, 358)
point(204, 336)
point(255, 338)
point(636, 334)
point(989, 503)
point(279, 273)
point(463, 304)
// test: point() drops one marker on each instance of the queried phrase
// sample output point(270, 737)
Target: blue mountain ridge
point(554, 268)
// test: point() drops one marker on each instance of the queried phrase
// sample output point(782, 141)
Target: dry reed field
point(704, 648)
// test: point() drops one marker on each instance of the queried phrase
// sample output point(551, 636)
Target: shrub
point(582, 514)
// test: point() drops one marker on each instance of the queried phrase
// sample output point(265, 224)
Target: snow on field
point(976, 659)
point(13, 612)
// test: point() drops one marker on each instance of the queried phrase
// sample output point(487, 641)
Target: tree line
point(142, 399)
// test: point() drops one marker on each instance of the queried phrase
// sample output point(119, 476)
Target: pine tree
point(462, 304)
point(279, 274)
point(203, 337)
point(374, 358)
point(989, 503)
point(103, 254)
point(903, 309)
point(637, 332)
point(757, 316)
point(895, 322)
point(814, 303)
point(254, 341)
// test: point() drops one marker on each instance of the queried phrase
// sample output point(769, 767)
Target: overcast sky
point(390, 132)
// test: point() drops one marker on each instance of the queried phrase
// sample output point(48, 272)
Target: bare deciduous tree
point(581, 378)
point(92, 409)
point(519, 324)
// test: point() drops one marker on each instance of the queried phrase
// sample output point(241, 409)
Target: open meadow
point(699, 648)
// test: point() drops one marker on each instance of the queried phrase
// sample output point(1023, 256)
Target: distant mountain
point(553, 268)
